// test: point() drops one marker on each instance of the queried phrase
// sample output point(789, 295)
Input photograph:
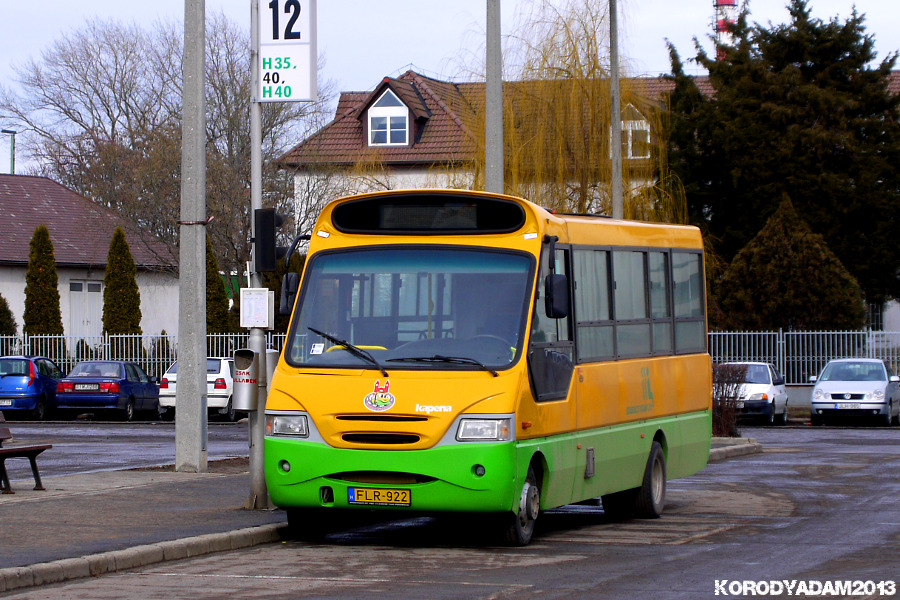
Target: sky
point(363, 41)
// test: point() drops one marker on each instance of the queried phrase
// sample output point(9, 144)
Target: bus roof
point(591, 230)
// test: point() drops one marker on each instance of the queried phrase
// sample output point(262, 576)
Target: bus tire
point(651, 497)
point(520, 526)
point(306, 525)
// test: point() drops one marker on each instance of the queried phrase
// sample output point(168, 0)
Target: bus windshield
point(412, 307)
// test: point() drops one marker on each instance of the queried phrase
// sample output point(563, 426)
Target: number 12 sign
point(287, 50)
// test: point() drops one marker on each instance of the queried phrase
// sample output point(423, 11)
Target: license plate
point(848, 405)
point(87, 387)
point(5, 402)
point(379, 496)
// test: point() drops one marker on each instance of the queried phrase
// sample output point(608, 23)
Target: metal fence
point(797, 354)
point(155, 353)
point(800, 354)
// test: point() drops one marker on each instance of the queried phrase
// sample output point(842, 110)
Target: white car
point(762, 394)
point(857, 387)
point(219, 386)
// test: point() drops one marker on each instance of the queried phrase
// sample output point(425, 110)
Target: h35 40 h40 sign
point(287, 50)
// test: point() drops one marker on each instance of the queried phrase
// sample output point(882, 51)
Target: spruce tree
point(788, 278)
point(42, 313)
point(804, 109)
point(216, 298)
point(121, 297)
point(7, 320)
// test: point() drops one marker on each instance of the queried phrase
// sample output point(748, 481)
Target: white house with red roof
point(81, 232)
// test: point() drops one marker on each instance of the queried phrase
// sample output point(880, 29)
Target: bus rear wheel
point(520, 527)
point(651, 496)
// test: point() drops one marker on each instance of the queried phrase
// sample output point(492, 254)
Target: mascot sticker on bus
point(381, 399)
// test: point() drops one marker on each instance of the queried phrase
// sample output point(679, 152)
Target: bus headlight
point(287, 425)
point(483, 430)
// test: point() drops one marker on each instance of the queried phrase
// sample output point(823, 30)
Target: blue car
point(28, 385)
point(108, 385)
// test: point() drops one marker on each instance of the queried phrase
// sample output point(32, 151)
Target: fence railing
point(797, 354)
point(800, 354)
point(154, 353)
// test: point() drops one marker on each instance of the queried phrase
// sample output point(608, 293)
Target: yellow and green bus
point(457, 351)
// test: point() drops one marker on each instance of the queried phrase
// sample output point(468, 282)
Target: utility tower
point(723, 22)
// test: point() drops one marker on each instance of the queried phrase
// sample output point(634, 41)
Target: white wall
point(159, 296)
point(892, 316)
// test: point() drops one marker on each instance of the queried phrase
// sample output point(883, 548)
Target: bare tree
point(104, 110)
point(728, 380)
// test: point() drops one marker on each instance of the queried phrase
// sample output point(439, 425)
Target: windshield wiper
point(460, 360)
point(354, 350)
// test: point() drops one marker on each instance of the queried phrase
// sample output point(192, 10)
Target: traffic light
point(265, 252)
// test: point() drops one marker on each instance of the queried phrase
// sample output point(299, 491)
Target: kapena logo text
point(427, 408)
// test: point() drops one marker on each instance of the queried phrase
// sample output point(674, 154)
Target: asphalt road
point(819, 505)
point(87, 447)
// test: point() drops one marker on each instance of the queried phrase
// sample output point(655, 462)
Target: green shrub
point(121, 297)
point(42, 313)
point(7, 320)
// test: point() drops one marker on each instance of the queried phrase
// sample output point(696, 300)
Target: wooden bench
point(29, 452)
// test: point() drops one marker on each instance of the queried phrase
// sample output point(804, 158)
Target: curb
point(67, 569)
point(741, 447)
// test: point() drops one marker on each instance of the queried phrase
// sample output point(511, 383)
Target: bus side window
point(550, 355)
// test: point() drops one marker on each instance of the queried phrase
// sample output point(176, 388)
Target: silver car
point(858, 387)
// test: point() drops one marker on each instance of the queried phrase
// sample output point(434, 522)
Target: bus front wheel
point(307, 524)
point(520, 527)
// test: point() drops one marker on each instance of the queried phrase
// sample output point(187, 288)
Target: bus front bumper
point(474, 477)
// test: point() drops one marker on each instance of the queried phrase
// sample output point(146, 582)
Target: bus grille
point(382, 418)
point(380, 438)
point(382, 477)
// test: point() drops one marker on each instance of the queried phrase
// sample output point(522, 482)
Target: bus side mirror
point(556, 296)
point(289, 284)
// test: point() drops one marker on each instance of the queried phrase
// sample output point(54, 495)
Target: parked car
point(762, 394)
point(219, 386)
point(28, 385)
point(108, 385)
point(856, 387)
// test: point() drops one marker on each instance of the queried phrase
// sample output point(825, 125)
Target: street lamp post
point(12, 150)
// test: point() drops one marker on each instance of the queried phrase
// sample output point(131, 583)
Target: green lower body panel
point(619, 453)
point(302, 474)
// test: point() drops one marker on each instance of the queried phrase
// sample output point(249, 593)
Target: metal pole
point(493, 103)
point(12, 150)
point(618, 211)
point(190, 400)
point(259, 493)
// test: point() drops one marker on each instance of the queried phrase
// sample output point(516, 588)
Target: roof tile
point(80, 230)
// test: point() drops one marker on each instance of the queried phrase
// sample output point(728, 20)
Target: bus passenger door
point(551, 354)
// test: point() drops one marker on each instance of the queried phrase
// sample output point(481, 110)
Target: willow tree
point(557, 119)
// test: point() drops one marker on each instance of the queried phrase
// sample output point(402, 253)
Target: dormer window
point(635, 139)
point(635, 135)
point(388, 121)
